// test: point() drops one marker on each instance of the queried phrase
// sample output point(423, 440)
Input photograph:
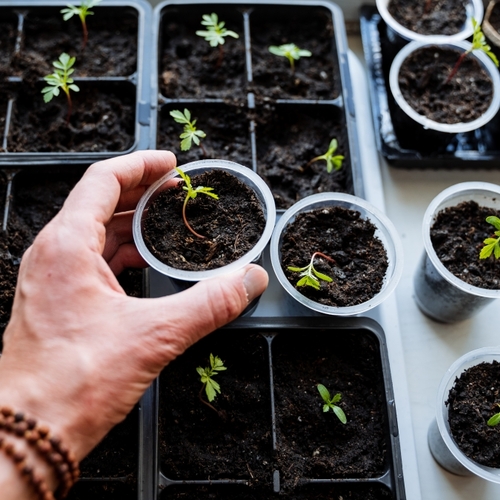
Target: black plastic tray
point(401, 146)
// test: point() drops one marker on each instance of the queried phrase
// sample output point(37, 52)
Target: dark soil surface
point(315, 77)
point(288, 140)
point(131, 282)
point(234, 441)
point(457, 236)
point(232, 225)
point(111, 49)
point(90, 490)
point(190, 67)
point(341, 234)
point(472, 401)
point(3, 116)
point(227, 129)
point(422, 81)
point(495, 17)
point(8, 33)
point(102, 120)
point(431, 17)
point(315, 444)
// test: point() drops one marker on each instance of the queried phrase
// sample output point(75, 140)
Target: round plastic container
point(439, 293)
point(441, 443)
point(475, 9)
point(245, 175)
point(454, 128)
point(386, 232)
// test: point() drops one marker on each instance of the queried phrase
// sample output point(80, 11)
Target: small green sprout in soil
point(191, 133)
point(291, 52)
point(492, 245)
point(212, 388)
point(192, 193)
point(82, 12)
point(330, 403)
point(61, 79)
point(478, 43)
point(215, 33)
point(332, 161)
point(495, 419)
point(309, 275)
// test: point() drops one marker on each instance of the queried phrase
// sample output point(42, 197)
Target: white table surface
point(429, 347)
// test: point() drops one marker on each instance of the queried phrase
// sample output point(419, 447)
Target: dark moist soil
point(3, 116)
point(442, 17)
point(315, 77)
point(312, 443)
point(422, 80)
point(111, 49)
point(227, 129)
point(472, 401)
point(341, 234)
point(102, 120)
point(8, 33)
point(288, 140)
point(232, 225)
point(190, 66)
point(457, 236)
point(495, 17)
point(131, 282)
point(89, 490)
point(196, 442)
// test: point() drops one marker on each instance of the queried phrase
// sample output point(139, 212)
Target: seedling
point(492, 245)
point(212, 388)
point(309, 275)
point(215, 33)
point(61, 79)
point(330, 403)
point(191, 133)
point(478, 43)
point(82, 12)
point(193, 193)
point(291, 52)
point(332, 162)
point(495, 419)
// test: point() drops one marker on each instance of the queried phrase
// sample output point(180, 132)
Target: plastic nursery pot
point(474, 10)
point(385, 232)
point(439, 293)
point(490, 21)
point(245, 175)
point(426, 123)
point(443, 447)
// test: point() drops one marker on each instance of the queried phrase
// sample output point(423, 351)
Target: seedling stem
point(82, 12)
point(291, 52)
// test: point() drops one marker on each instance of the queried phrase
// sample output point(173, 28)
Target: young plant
point(494, 420)
point(290, 51)
point(332, 162)
point(492, 245)
point(191, 133)
point(215, 33)
point(478, 43)
point(330, 403)
point(82, 12)
point(192, 193)
point(212, 388)
point(61, 79)
point(309, 275)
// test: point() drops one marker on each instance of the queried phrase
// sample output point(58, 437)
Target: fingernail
point(255, 282)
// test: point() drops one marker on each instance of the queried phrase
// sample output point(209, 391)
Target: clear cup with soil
point(491, 26)
point(451, 282)
point(345, 238)
point(460, 439)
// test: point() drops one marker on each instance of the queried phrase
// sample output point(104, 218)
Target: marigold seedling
point(478, 43)
point(291, 52)
point(330, 403)
point(61, 79)
point(332, 161)
point(492, 245)
point(212, 388)
point(191, 133)
point(192, 193)
point(495, 419)
point(309, 275)
point(215, 33)
point(82, 11)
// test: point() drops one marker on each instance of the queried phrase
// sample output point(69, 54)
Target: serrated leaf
point(322, 276)
point(337, 398)
point(200, 370)
point(326, 408)
point(186, 144)
point(195, 139)
point(325, 394)
point(48, 96)
point(486, 251)
point(200, 133)
point(340, 414)
point(210, 392)
point(497, 250)
point(494, 221)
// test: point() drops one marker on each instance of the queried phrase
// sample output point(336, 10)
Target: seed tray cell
point(103, 490)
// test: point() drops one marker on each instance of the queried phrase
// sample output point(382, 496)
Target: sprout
point(290, 51)
point(494, 420)
point(332, 162)
point(310, 276)
point(82, 12)
point(209, 384)
point(330, 403)
point(191, 133)
point(492, 245)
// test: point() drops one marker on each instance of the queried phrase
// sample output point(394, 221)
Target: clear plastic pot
point(441, 443)
point(385, 231)
point(245, 175)
point(439, 293)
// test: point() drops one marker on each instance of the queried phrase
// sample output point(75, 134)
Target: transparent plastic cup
point(443, 447)
point(385, 231)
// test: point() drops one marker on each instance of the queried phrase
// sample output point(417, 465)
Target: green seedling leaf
point(190, 133)
point(495, 419)
point(82, 11)
point(333, 162)
point(309, 275)
point(290, 51)
point(215, 33)
point(330, 403)
point(492, 245)
point(479, 42)
point(212, 388)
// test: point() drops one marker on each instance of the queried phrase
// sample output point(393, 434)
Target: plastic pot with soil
point(452, 283)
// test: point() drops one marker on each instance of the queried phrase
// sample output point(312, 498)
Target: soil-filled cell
point(232, 437)
point(4, 100)
point(91, 490)
point(8, 34)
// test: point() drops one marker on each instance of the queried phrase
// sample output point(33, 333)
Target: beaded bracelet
point(49, 447)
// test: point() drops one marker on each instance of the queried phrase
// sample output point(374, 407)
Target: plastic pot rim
point(427, 123)
point(379, 219)
point(252, 255)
